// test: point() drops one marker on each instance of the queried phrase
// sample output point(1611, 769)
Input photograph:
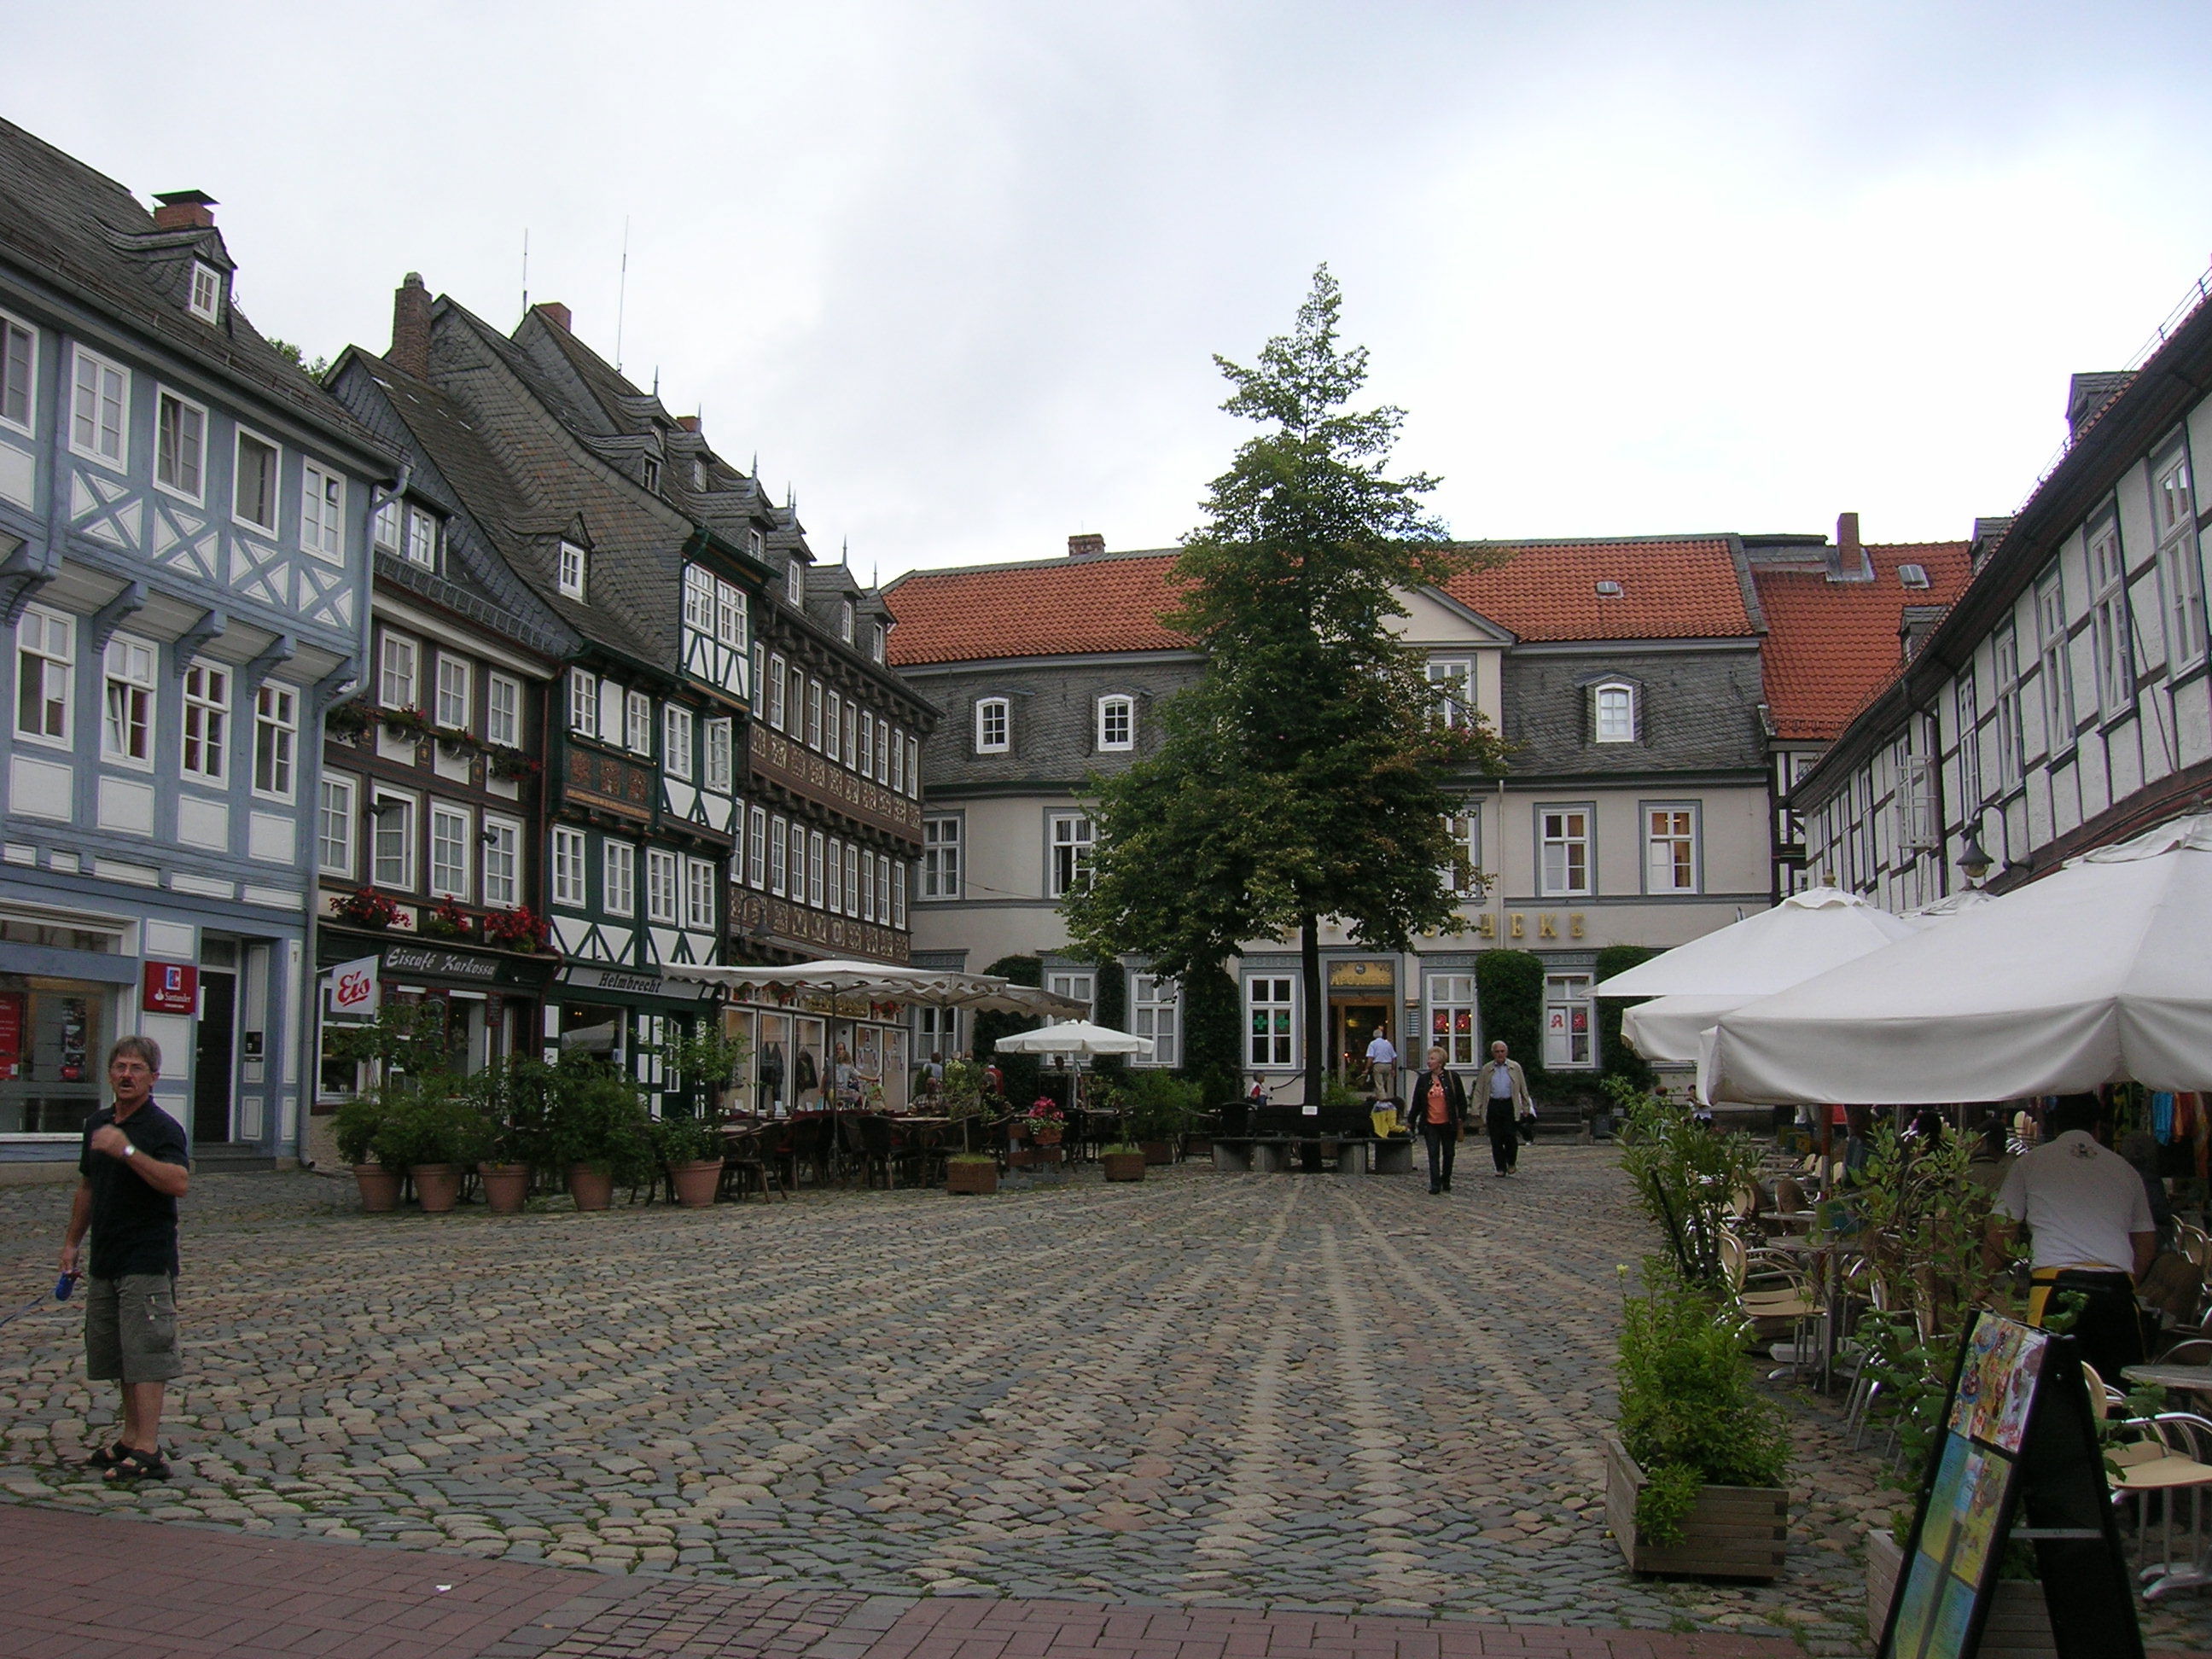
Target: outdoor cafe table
point(2193, 1379)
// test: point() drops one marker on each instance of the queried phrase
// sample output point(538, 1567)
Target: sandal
point(132, 1464)
point(104, 1457)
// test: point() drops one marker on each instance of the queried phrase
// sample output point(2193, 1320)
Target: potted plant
point(447, 920)
point(1124, 1161)
point(520, 929)
point(510, 764)
point(356, 1128)
point(1045, 1122)
point(349, 719)
point(601, 1131)
point(1160, 1110)
point(971, 1172)
point(1694, 1478)
point(690, 1148)
point(514, 1100)
point(433, 1134)
point(365, 908)
point(409, 722)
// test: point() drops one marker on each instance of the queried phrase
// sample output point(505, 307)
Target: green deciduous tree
point(1306, 775)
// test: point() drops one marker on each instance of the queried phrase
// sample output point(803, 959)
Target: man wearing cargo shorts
point(136, 1164)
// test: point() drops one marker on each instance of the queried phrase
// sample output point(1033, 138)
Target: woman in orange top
point(1440, 1107)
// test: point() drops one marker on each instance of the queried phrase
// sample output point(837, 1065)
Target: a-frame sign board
point(2017, 1458)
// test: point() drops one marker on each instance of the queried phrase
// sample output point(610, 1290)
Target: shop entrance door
point(212, 1055)
point(1355, 1025)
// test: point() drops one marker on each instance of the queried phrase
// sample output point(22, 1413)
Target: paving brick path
point(1207, 1396)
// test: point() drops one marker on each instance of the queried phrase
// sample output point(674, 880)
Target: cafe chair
point(2158, 1459)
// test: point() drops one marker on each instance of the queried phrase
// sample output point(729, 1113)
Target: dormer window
point(653, 473)
point(876, 647)
point(757, 545)
point(698, 473)
point(206, 302)
point(845, 621)
point(1117, 722)
point(1613, 713)
point(383, 528)
point(422, 539)
point(1912, 575)
point(794, 581)
point(572, 571)
point(993, 718)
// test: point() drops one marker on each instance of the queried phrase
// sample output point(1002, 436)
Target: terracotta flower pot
point(1159, 1151)
point(695, 1183)
point(981, 1177)
point(506, 1186)
point(1124, 1166)
point(438, 1185)
point(379, 1188)
point(593, 1187)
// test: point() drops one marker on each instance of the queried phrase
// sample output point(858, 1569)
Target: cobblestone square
point(1336, 1396)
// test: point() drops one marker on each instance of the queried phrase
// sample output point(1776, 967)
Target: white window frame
point(571, 574)
point(1070, 843)
point(867, 766)
point(721, 750)
point(1566, 996)
point(637, 722)
point(1114, 726)
point(204, 297)
point(732, 615)
point(1156, 1012)
point(815, 848)
point(852, 734)
point(19, 375)
point(885, 888)
point(571, 873)
point(756, 848)
point(1452, 687)
point(1672, 846)
point(867, 886)
point(1555, 829)
point(676, 758)
point(424, 535)
point(1077, 985)
point(2055, 661)
point(164, 477)
point(386, 533)
point(852, 879)
point(1965, 699)
point(46, 650)
point(2012, 735)
point(845, 621)
point(1614, 712)
point(995, 725)
point(130, 703)
point(775, 690)
point(276, 740)
point(335, 838)
point(1463, 875)
point(879, 635)
point(501, 874)
point(813, 714)
point(242, 437)
point(502, 710)
point(913, 768)
point(109, 395)
point(396, 687)
point(833, 718)
point(1271, 1021)
point(456, 692)
point(779, 856)
point(699, 885)
point(664, 881)
point(619, 878)
point(584, 702)
point(942, 845)
point(2113, 650)
point(795, 582)
point(1450, 997)
point(394, 830)
point(2180, 564)
point(833, 877)
point(322, 512)
point(452, 832)
point(699, 600)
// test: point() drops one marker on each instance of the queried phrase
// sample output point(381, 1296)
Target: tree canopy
point(1307, 774)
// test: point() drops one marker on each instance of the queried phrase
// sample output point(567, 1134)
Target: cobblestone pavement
point(1299, 1393)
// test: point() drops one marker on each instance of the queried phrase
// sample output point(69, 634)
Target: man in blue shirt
point(136, 1164)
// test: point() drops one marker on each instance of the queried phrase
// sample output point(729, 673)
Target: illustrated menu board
point(2017, 1439)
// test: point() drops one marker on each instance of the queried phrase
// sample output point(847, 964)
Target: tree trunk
point(1317, 1010)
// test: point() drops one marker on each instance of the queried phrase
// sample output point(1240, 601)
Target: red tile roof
point(1671, 588)
point(1831, 646)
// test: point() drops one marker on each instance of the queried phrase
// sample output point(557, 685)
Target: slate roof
point(87, 234)
point(1673, 587)
point(1831, 646)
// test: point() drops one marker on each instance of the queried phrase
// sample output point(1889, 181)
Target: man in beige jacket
point(1501, 1089)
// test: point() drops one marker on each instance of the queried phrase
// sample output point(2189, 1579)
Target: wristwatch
point(129, 1148)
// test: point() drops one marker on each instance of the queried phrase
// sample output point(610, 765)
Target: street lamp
point(1974, 861)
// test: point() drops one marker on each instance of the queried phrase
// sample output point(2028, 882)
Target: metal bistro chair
point(745, 1163)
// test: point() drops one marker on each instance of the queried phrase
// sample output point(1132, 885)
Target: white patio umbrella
point(1807, 933)
point(2098, 973)
point(1078, 1037)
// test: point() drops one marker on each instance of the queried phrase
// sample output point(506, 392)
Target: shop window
point(1270, 1009)
point(1451, 1020)
point(1568, 1044)
point(54, 1034)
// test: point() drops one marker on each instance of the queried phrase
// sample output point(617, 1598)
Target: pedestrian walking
point(1440, 1107)
point(1504, 1090)
point(1382, 1067)
point(135, 1165)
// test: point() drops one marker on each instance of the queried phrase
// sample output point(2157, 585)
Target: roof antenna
point(845, 552)
point(622, 294)
point(526, 270)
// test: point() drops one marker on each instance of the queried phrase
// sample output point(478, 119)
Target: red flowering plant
point(518, 929)
point(409, 723)
point(1044, 1120)
point(510, 764)
point(367, 908)
point(447, 920)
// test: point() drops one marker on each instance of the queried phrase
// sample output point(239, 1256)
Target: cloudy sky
point(955, 269)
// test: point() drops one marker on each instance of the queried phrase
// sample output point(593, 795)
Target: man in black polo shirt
point(135, 1165)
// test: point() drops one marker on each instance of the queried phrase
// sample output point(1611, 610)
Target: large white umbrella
point(1078, 1037)
point(1807, 933)
point(890, 981)
point(2099, 973)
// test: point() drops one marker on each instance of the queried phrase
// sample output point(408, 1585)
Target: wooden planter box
point(1124, 1166)
point(1032, 1158)
point(1159, 1151)
point(1734, 1531)
point(981, 1178)
point(2019, 1625)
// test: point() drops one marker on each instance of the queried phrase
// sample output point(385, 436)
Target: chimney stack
point(410, 328)
point(184, 209)
point(554, 312)
point(1085, 546)
point(688, 423)
point(1849, 563)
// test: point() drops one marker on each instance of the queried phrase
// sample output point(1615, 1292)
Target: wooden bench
point(1274, 1154)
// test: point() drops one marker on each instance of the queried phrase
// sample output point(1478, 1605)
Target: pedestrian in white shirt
point(1382, 1067)
point(1503, 1089)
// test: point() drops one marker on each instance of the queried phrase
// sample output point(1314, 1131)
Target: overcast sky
point(955, 269)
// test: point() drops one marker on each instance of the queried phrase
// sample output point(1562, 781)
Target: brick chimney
point(1085, 546)
point(184, 209)
point(554, 312)
point(1849, 563)
point(410, 328)
point(688, 423)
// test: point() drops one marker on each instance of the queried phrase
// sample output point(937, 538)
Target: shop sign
point(11, 1032)
point(427, 961)
point(170, 987)
point(1516, 925)
point(353, 986)
point(638, 982)
point(1361, 976)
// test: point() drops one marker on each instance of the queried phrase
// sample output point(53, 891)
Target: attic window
point(1610, 589)
point(794, 581)
point(845, 621)
point(698, 473)
point(572, 570)
point(653, 473)
point(206, 302)
point(1913, 575)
